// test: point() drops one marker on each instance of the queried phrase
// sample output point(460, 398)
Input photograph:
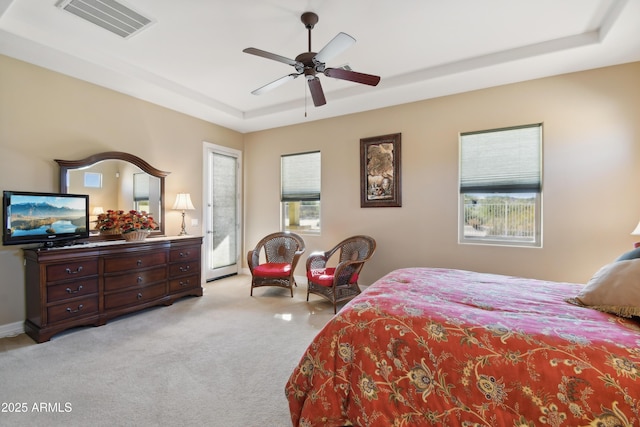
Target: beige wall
point(591, 167)
point(46, 116)
point(591, 198)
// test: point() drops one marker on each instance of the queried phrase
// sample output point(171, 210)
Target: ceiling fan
point(311, 63)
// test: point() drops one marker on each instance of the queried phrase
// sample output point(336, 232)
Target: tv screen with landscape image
point(47, 218)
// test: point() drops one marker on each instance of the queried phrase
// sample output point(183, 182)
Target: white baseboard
point(11, 329)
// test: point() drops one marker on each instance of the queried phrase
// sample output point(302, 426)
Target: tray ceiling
point(189, 57)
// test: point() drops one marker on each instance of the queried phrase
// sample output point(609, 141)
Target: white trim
point(11, 329)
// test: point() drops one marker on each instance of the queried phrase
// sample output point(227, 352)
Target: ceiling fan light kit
point(311, 63)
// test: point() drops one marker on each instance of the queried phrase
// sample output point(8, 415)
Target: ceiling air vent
point(108, 14)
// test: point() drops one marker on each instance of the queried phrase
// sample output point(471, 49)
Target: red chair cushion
point(324, 276)
point(272, 269)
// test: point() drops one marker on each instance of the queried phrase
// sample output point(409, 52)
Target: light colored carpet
point(220, 360)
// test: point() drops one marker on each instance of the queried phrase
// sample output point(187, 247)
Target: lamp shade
point(97, 210)
point(183, 202)
point(636, 232)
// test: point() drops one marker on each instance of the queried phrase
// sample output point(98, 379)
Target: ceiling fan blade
point(336, 46)
point(352, 76)
point(269, 55)
point(274, 84)
point(317, 94)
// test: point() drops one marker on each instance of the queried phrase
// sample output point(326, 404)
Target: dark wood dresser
point(89, 284)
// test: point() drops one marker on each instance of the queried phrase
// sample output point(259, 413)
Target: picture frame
point(380, 174)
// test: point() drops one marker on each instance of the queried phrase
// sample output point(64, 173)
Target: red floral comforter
point(424, 347)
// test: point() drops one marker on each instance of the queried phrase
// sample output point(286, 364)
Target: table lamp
point(183, 203)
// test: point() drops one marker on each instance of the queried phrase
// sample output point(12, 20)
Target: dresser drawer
point(74, 289)
point(72, 270)
point(183, 283)
point(135, 261)
point(188, 253)
point(73, 310)
point(182, 268)
point(134, 296)
point(135, 278)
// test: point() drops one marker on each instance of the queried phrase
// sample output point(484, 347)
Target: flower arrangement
point(136, 221)
point(109, 221)
point(119, 221)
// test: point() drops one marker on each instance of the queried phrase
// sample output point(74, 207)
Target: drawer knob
point(78, 270)
point(80, 307)
point(139, 279)
point(184, 254)
point(139, 295)
point(139, 262)
point(185, 283)
point(69, 291)
point(184, 268)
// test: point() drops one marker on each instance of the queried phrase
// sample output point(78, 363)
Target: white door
point(222, 215)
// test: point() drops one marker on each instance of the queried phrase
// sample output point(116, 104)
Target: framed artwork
point(380, 171)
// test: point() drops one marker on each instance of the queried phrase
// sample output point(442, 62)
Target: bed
point(428, 346)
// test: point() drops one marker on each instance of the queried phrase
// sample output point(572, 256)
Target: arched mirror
point(116, 180)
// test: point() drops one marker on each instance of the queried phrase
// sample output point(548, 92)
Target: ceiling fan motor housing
point(307, 63)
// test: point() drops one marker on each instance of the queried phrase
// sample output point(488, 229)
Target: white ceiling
point(190, 59)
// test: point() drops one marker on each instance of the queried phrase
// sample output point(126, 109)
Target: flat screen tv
point(48, 218)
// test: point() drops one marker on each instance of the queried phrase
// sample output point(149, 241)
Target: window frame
point(502, 191)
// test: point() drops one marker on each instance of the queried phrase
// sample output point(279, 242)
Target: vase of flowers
point(109, 222)
point(136, 225)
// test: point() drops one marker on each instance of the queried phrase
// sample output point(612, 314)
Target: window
point(141, 191)
point(92, 180)
point(500, 186)
point(300, 192)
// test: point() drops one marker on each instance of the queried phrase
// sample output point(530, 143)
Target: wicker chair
point(339, 283)
point(282, 251)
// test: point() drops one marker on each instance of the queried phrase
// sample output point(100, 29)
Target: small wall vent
point(108, 14)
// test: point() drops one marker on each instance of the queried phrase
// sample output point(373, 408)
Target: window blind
point(300, 177)
point(140, 187)
point(503, 160)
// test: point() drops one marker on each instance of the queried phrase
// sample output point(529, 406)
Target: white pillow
point(615, 288)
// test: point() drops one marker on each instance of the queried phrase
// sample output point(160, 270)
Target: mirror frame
point(67, 165)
